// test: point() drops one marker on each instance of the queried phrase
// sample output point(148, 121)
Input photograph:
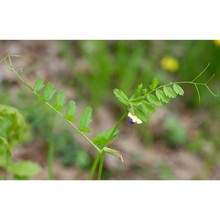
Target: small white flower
point(134, 118)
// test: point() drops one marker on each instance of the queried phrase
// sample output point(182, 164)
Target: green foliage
point(154, 83)
point(161, 96)
point(103, 138)
point(147, 107)
point(3, 156)
point(71, 111)
point(178, 90)
point(121, 96)
point(175, 132)
point(39, 85)
point(13, 129)
point(85, 119)
point(60, 100)
point(153, 100)
point(138, 91)
point(168, 91)
point(48, 92)
point(24, 169)
point(70, 151)
point(143, 102)
point(81, 159)
point(141, 114)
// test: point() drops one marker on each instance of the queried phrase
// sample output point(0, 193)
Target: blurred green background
point(180, 142)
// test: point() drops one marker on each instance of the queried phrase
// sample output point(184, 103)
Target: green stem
point(51, 157)
point(94, 166)
point(117, 125)
point(50, 161)
point(101, 165)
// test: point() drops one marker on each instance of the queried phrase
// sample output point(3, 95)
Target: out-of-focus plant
point(13, 131)
point(138, 108)
point(106, 64)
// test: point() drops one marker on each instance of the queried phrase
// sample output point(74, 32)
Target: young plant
point(13, 131)
point(138, 108)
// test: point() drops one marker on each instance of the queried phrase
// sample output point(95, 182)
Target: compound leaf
point(39, 85)
point(85, 119)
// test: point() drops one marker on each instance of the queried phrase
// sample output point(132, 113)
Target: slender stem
point(117, 125)
point(94, 166)
point(101, 165)
point(201, 73)
point(197, 90)
point(50, 156)
point(51, 161)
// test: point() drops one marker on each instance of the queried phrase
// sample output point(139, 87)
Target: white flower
point(134, 118)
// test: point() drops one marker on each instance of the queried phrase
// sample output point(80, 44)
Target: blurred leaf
point(48, 92)
point(178, 90)
point(121, 96)
point(169, 92)
point(39, 85)
point(60, 100)
point(147, 107)
point(102, 139)
point(165, 172)
point(70, 111)
point(161, 96)
point(141, 114)
point(176, 133)
point(24, 168)
point(2, 157)
point(85, 119)
point(153, 99)
point(13, 128)
point(138, 91)
point(145, 91)
point(81, 159)
point(154, 83)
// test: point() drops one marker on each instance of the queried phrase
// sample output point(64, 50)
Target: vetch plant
point(137, 109)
